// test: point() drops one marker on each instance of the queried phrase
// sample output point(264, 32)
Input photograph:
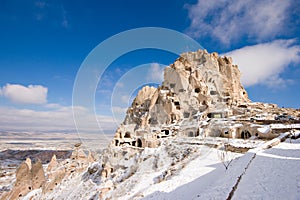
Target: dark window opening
point(133, 143)
point(248, 135)
point(125, 143)
point(242, 106)
point(139, 142)
point(166, 132)
point(245, 135)
point(197, 90)
point(127, 135)
point(188, 69)
point(213, 92)
point(172, 85)
point(197, 133)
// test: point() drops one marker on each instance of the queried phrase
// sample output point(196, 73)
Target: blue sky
point(43, 44)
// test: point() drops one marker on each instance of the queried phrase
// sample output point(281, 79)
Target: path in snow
point(273, 174)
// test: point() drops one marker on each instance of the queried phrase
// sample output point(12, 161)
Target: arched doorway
point(245, 134)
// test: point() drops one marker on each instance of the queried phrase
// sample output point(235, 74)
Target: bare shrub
point(225, 156)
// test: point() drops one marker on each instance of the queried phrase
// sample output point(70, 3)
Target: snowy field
point(265, 174)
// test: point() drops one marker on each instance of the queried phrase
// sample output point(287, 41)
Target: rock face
point(28, 177)
point(31, 176)
point(197, 85)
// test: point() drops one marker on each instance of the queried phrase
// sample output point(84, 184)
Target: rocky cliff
point(196, 86)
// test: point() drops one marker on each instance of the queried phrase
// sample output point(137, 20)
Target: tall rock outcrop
point(196, 85)
point(31, 176)
point(28, 177)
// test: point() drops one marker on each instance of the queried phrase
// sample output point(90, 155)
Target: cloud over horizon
point(156, 73)
point(19, 94)
point(229, 21)
point(263, 63)
point(58, 119)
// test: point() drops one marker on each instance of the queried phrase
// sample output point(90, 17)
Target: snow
point(283, 126)
point(272, 174)
point(264, 130)
point(238, 125)
point(206, 177)
point(266, 173)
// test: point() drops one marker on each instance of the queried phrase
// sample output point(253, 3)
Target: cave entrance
point(166, 132)
point(245, 134)
point(177, 105)
point(127, 135)
point(139, 143)
point(197, 90)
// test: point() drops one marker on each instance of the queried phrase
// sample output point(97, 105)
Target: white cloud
point(263, 63)
point(120, 84)
point(156, 73)
point(53, 105)
point(60, 119)
point(32, 94)
point(119, 113)
point(119, 110)
point(229, 21)
point(125, 99)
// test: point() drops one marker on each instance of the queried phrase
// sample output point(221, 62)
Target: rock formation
point(28, 177)
point(53, 164)
point(31, 176)
point(196, 86)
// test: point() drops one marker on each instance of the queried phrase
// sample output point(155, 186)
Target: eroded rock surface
point(32, 176)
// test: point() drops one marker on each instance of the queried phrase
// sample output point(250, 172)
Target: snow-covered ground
point(200, 174)
point(272, 174)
